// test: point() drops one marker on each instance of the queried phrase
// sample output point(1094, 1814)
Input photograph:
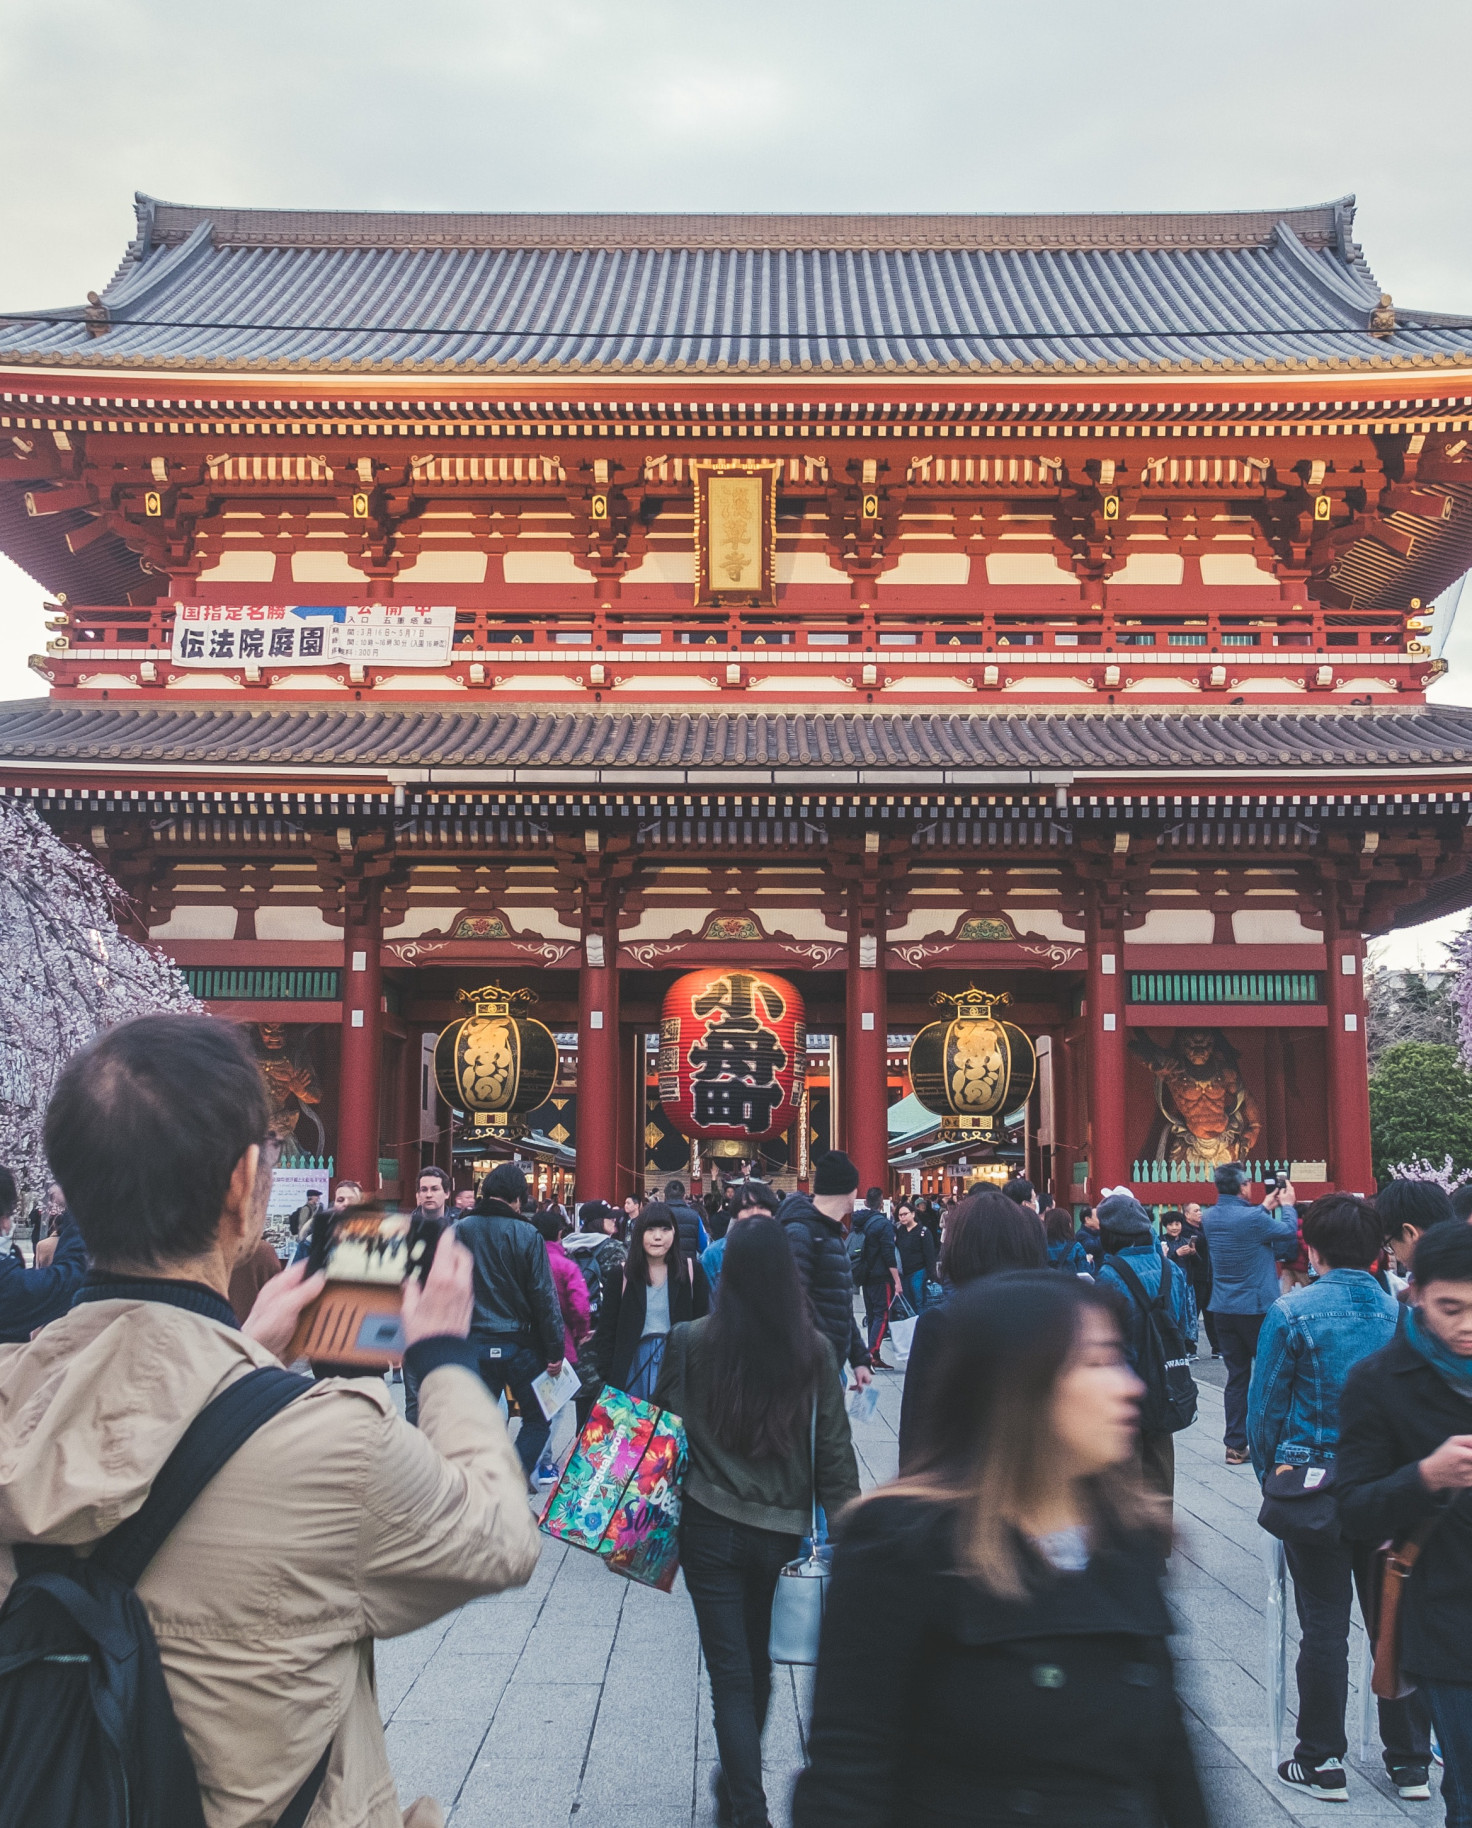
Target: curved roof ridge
point(1323, 225)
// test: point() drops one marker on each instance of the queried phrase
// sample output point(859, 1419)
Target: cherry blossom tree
point(68, 974)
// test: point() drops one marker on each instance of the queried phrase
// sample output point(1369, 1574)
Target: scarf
point(1455, 1372)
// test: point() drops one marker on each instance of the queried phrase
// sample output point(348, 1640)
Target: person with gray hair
point(1244, 1282)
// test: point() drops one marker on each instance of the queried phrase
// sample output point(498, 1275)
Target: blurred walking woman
point(1013, 1580)
point(758, 1388)
point(658, 1290)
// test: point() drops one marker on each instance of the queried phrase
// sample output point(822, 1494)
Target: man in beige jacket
point(334, 1525)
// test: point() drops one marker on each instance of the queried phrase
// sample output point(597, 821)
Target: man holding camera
point(1240, 1239)
point(334, 1524)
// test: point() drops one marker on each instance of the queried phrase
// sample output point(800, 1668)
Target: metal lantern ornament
point(732, 1058)
point(974, 1068)
point(494, 1065)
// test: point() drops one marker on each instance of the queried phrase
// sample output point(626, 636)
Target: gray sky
point(843, 105)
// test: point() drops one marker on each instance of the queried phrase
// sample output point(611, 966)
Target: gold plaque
point(735, 531)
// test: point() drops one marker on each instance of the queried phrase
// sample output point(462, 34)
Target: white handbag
point(802, 1590)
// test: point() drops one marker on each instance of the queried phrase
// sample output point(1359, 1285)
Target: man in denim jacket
point(1310, 1340)
point(1244, 1283)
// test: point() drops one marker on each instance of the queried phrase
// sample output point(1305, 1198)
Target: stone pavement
point(580, 1701)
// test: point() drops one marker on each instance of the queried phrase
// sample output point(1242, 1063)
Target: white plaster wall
point(445, 568)
point(251, 566)
point(197, 923)
point(929, 568)
point(1233, 568)
point(1272, 927)
point(1026, 568)
point(1174, 927)
point(1046, 921)
point(295, 923)
point(552, 565)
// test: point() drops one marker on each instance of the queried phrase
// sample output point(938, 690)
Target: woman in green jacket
point(749, 1383)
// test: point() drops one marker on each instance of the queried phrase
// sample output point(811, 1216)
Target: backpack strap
point(1137, 1288)
point(222, 1427)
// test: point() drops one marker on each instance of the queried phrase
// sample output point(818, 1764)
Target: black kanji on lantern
point(738, 1057)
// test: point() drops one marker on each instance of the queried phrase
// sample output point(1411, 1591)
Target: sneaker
point(725, 1812)
point(1326, 1781)
point(1236, 1456)
point(1411, 1782)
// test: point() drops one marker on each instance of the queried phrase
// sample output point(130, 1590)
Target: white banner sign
point(274, 634)
point(290, 1187)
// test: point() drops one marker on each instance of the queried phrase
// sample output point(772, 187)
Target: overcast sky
point(843, 105)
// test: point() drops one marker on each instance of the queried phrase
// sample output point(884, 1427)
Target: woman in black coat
point(658, 1290)
point(984, 1234)
point(1013, 1582)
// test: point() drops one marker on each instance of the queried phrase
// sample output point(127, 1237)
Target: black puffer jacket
point(822, 1261)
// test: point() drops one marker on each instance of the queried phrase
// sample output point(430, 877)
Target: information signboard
point(288, 635)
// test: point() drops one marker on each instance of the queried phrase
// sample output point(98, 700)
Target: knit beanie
point(835, 1173)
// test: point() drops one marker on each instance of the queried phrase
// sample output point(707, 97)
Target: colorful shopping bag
point(619, 1496)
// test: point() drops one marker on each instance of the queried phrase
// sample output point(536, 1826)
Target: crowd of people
point(1011, 1575)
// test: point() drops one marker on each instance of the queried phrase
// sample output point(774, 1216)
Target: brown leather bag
point(1395, 1562)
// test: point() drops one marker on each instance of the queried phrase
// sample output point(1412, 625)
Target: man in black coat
point(517, 1325)
point(691, 1225)
point(814, 1228)
point(877, 1270)
point(1403, 1473)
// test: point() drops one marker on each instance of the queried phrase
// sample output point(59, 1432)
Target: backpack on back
point(585, 1256)
point(1164, 1364)
point(858, 1254)
point(88, 1737)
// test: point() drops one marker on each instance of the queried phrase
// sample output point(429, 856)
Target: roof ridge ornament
point(1382, 318)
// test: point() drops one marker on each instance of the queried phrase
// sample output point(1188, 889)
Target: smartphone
point(366, 1255)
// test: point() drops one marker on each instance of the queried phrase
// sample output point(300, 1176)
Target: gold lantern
point(975, 1068)
point(494, 1065)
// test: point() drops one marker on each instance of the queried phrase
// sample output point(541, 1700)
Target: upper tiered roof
point(1248, 291)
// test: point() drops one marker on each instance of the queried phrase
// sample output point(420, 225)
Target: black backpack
point(1164, 1364)
point(88, 1737)
point(858, 1254)
point(585, 1260)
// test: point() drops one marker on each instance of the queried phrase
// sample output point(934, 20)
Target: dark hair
point(506, 1183)
point(752, 1193)
point(1344, 1230)
point(1019, 1190)
point(874, 1199)
point(9, 1193)
point(1462, 1201)
point(1174, 1217)
point(986, 1437)
point(144, 1131)
point(434, 1172)
point(551, 1222)
point(763, 1354)
point(1057, 1226)
point(1231, 1177)
point(674, 1190)
point(1442, 1254)
point(1419, 1203)
point(655, 1215)
point(987, 1233)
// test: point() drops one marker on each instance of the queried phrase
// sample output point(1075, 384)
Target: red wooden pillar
point(1348, 1090)
point(630, 1116)
point(865, 1061)
point(1109, 1160)
point(362, 1045)
point(598, 1068)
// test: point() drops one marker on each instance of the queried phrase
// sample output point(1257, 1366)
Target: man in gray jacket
point(517, 1326)
point(1244, 1282)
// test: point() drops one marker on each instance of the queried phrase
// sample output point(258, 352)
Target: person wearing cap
point(815, 1229)
point(1129, 1238)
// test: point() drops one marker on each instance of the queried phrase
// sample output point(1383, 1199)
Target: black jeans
point(731, 1574)
point(1237, 1334)
point(511, 1364)
point(876, 1311)
point(1324, 1581)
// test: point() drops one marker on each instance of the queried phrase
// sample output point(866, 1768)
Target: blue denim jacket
point(1310, 1341)
point(1149, 1265)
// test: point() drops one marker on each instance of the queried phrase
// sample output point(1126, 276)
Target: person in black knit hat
point(815, 1227)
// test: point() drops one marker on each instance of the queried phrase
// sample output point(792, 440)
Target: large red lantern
point(732, 1055)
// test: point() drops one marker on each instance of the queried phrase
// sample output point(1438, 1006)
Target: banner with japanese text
point(362, 634)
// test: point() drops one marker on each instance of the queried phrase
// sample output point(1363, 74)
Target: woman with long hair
point(759, 1391)
point(1013, 1580)
point(658, 1290)
point(985, 1234)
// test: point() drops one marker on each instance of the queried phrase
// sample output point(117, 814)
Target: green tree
point(1420, 1106)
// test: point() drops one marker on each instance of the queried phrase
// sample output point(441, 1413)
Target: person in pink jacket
point(572, 1291)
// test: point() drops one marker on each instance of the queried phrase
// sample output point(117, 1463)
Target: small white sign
point(290, 1187)
point(294, 634)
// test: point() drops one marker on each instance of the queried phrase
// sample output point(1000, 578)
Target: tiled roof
point(773, 745)
point(337, 292)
